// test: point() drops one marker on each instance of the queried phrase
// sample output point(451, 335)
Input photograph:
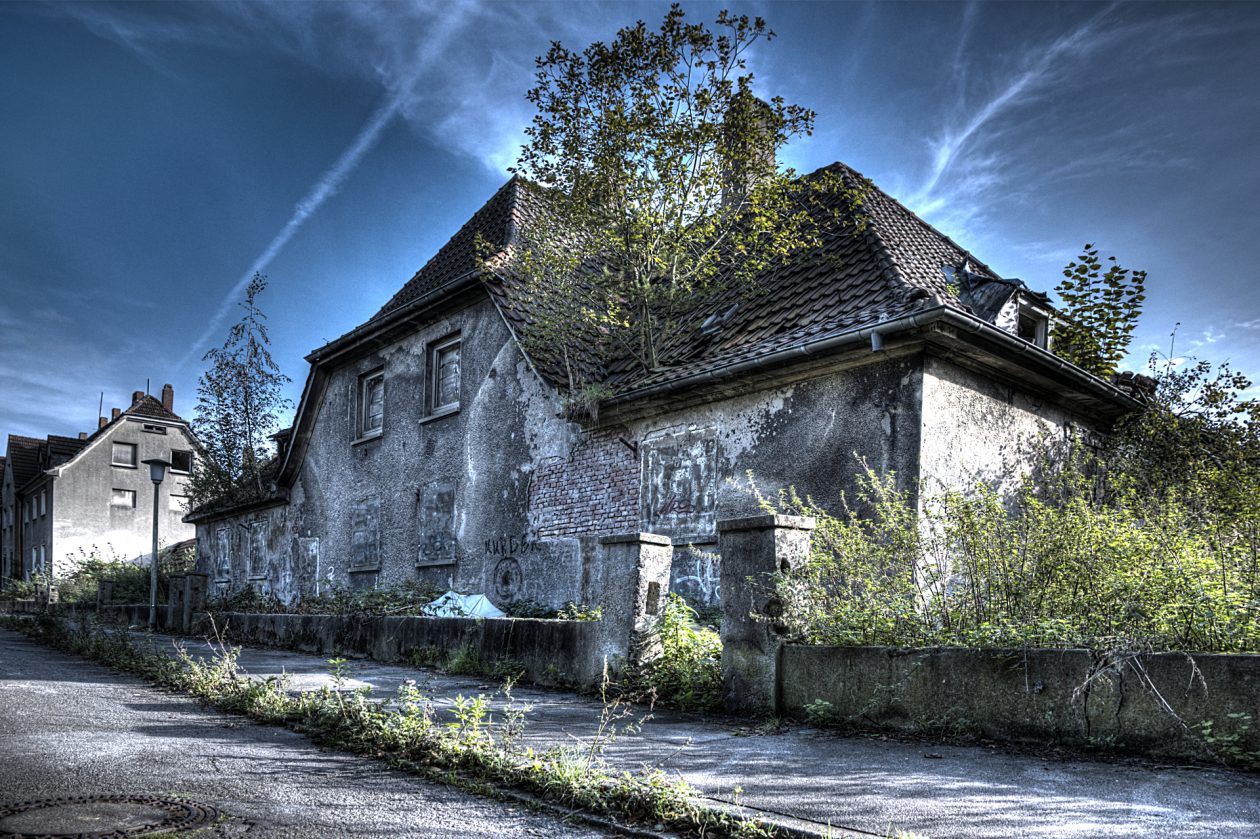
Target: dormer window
point(1034, 325)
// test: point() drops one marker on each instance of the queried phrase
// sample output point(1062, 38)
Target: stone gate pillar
point(753, 550)
point(194, 600)
point(636, 581)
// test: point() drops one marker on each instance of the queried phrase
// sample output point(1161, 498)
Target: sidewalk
point(810, 778)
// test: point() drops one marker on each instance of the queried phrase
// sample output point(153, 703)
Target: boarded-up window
point(680, 484)
point(444, 373)
point(223, 554)
point(124, 454)
point(257, 549)
point(436, 522)
point(365, 533)
point(122, 498)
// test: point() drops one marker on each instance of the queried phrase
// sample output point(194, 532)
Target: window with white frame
point(124, 455)
point(122, 498)
point(444, 376)
point(371, 403)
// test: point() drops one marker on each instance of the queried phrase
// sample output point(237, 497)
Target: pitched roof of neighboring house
point(147, 406)
point(23, 456)
point(60, 449)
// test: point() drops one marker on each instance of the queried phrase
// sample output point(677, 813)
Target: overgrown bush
point(131, 579)
point(688, 672)
point(1056, 563)
point(406, 598)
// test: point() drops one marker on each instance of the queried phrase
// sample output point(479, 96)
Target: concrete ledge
point(766, 522)
point(550, 652)
point(636, 538)
point(1064, 696)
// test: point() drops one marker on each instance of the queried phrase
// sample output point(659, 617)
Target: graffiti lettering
point(511, 546)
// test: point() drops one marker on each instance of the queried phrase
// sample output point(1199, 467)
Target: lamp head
point(157, 468)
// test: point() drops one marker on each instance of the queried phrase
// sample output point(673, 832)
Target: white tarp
point(455, 605)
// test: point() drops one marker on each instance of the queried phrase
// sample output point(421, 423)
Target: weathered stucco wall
point(86, 521)
point(978, 429)
point(437, 497)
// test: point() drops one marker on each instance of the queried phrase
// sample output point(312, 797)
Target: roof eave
point(1105, 398)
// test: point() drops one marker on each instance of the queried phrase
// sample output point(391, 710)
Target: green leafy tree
point(1100, 310)
point(658, 168)
point(1198, 437)
point(239, 405)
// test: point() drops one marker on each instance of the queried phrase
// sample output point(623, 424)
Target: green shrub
point(688, 672)
point(1056, 563)
point(131, 579)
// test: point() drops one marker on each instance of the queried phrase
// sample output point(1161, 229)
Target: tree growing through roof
point(239, 403)
point(1099, 313)
point(658, 167)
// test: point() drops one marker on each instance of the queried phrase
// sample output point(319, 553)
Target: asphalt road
point(72, 728)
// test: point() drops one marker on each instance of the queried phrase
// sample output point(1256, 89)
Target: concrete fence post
point(636, 581)
point(104, 593)
point(193, 601)
point(753, 550)
point(174, 602)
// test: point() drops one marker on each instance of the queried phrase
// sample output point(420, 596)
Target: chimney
point(168, 398)
point(136, 396)
point(83, 434)
point(747, 164)
point(113, 413)
point(101, 422)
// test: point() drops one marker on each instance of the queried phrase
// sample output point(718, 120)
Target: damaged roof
point(896, 265)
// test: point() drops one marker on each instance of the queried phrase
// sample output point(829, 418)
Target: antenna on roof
point(146, 387)
point(100, 406)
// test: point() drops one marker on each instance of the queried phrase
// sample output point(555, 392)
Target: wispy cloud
point(324, 188)
point(1013, 92)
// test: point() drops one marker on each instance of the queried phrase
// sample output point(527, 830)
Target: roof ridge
point(917, 219)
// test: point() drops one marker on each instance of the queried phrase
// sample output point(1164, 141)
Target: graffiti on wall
point(436, 521)
point(680, 483)
point(508, 578)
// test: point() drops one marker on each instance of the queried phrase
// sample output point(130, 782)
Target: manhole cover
point(101, 817)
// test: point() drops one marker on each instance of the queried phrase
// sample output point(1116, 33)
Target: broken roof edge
point(1027, 353)
point(208, 513)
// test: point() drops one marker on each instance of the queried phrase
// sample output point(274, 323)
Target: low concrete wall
point(555, 652)
point(1070, 697)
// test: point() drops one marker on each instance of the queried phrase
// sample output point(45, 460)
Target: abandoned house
point(427, 445)
point(66, 498)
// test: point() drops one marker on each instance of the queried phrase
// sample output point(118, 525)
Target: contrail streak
point(324, 189)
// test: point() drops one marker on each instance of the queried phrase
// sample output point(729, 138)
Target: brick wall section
point(595, 491)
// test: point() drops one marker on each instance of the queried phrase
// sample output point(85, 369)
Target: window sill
point(435, 563)
point(439, 414)
point(123, 466)
point(366, 569)
point(256, 578)
point(366, 438)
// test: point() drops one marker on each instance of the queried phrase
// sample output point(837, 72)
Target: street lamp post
point(157, 471)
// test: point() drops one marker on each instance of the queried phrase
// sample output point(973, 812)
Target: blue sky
point(152, 156)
